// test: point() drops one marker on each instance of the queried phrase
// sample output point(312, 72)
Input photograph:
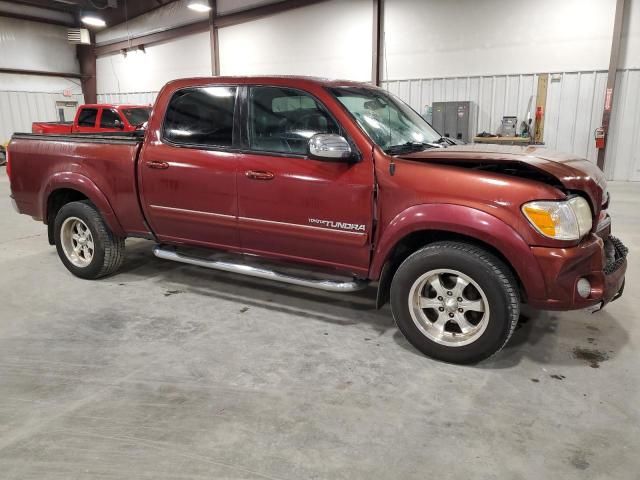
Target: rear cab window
point(201, 116)
point(136, 116)
point(87, 117)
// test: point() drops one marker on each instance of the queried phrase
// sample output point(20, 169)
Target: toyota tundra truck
point(332, 185)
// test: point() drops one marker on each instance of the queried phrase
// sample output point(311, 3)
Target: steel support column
point(611, 77)
point(377, 57)
point(87, 60)
point(213, 32)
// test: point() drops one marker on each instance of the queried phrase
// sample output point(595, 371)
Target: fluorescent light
point(93, 21)
point(199, 6)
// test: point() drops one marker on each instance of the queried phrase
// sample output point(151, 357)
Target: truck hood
point(533, 162)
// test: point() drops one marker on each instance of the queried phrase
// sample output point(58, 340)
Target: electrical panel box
point(452, 119)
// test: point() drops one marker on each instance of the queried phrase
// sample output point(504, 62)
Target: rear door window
point(282, 120)
point(201, 116)
point(109, 119)
point(87, 117)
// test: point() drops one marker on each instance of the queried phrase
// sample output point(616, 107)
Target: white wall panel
point(139, 98)
point(435, 38)
point(20, 109)
point(630, 45)
point(36, 83)
point(24, 99)
point(148, 71)
point(329, 39)
point(623, 146)
point(36, 46)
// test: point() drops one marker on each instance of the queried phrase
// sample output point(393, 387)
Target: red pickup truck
point(332, 185)
point(104, 117)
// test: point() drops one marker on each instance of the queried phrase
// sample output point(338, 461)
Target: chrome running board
point(347, 285)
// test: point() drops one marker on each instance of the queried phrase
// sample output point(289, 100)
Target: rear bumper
point(601, 261)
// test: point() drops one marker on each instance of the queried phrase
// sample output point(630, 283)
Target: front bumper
point(600, 258)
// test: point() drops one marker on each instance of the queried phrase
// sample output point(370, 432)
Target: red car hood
point(573, 172)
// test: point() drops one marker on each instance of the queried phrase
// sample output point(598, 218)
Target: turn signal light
point(542, 219)
point(562, 220)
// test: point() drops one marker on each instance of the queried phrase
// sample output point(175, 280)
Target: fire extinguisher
point(600, 137)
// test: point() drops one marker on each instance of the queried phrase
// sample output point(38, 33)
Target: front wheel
point(455, 302)
point(84, 242)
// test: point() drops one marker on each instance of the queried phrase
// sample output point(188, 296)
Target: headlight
point(562, 220)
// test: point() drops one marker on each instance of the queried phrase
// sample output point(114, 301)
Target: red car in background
point(97, 118)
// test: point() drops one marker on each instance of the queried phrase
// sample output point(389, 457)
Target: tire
point(446, 319)
point(105, 250)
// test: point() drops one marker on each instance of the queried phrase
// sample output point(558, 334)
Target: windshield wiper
point(408, 147)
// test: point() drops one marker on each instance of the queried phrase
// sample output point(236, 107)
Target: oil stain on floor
point(591, 356)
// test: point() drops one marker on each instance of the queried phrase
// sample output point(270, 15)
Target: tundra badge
point(338, 225)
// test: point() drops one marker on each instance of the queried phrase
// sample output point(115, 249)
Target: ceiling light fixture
point(199, 6)
point(93, 21)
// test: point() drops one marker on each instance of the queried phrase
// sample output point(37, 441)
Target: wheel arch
point(418, 226)
point(69, 187)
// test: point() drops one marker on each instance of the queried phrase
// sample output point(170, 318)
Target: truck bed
point(103, 163)
point(52, 127)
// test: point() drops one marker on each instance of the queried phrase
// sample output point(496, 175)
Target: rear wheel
point(84, 243)
point(455, 302)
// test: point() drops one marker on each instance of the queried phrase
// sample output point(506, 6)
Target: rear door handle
point(158, 165)
point(259, 175)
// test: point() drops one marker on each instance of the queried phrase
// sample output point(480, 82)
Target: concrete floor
point(167, 371)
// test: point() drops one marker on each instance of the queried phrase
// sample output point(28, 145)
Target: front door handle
point(158, 165)
point(259, 175)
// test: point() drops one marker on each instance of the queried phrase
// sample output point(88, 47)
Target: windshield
point(390, 122)
point(136, 116)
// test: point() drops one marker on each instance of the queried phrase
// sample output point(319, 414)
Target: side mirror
point(330, 147)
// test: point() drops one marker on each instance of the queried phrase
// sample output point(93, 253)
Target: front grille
point(615, 253)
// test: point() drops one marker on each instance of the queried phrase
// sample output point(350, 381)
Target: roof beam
point(220, 21)
point(151, 38)
point(42, 73)
point(33, 18)
point(49, 5)
point(41, 13)
point(263, 11)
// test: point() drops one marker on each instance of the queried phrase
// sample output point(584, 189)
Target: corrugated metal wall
point(133, 97)
point(574, 109)
point(623, 146)
point(19, 109)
